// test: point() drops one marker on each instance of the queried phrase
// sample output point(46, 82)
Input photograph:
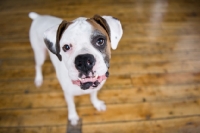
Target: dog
point(80, 51)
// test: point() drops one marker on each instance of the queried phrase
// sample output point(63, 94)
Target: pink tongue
point(100, 78)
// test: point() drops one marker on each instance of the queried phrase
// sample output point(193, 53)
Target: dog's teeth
point(79, 79)
point(96, 76)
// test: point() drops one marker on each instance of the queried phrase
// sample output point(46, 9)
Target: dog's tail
point(33, 15)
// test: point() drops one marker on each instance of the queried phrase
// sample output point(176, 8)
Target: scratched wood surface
point(154, 83)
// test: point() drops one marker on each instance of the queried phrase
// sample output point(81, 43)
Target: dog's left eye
point(100, 42)
point(66, 47)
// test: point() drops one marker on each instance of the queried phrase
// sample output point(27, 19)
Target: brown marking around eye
point(62, 27)
point(107, 50)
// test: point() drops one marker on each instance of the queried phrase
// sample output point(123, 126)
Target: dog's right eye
point(66, 47)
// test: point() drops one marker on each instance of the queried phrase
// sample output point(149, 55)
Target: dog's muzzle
point(84, 64)
point(86, 83)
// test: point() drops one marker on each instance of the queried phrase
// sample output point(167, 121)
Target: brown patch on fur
point(101, 21)
point(60, 31)
point(101, 25)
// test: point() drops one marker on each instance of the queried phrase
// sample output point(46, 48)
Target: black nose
point(84, 63)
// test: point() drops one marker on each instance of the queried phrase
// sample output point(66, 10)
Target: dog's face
point(84, 47)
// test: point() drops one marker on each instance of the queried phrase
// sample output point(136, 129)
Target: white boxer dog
point(80, 52)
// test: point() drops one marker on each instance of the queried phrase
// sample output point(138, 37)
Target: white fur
point(115, 29)
point(78, 34)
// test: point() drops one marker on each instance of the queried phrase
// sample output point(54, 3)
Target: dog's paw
point(73, 120)
point(100, 105)
point(38, 81)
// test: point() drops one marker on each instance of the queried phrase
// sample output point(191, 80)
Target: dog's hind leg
point(40, 55)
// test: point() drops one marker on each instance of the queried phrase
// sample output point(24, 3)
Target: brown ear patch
point(102, 22)
point(60, 31)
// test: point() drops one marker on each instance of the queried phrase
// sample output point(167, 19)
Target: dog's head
point(84, 47)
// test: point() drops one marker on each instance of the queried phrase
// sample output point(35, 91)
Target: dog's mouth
point(92, 81)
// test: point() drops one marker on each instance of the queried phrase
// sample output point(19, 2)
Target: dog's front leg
point(98, 104)
point(72, 114)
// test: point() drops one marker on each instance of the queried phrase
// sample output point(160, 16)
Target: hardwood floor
point(154, 83)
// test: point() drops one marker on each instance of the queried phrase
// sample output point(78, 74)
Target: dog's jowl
point(80, 51)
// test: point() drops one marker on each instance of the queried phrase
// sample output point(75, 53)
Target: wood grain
point(184, 124)
point(154, 83)
point(130, 111)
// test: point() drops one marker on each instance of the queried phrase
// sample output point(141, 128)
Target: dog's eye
point(66, 47)
point(100, 42)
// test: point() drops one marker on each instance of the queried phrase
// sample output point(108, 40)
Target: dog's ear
point(113, 28)
point(52, 38)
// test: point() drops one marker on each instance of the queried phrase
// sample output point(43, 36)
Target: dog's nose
point(84, 62)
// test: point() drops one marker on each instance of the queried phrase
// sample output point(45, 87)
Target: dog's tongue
point(99, 79)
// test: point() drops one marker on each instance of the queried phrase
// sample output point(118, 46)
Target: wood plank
point(116, 8)
point(176, 125)
point(26, 73)
point(158, 46)
point(155, 57)
point(142, 111)
point(35, 100)
point(53, 99)
point(17, 54)
point(158, 31)
point(165, 79)
point(37, 117)
point(115, 112)
point(22, 17)
point(14, 46)
point(25, 130)
point(28, 86)
point(153, 68)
